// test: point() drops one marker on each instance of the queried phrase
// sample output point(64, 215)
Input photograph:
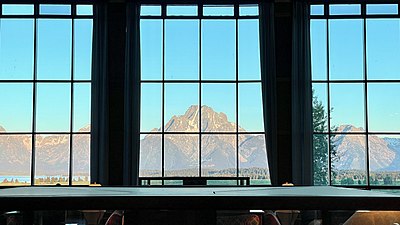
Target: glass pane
point(384, 162)
point(347, 107)
point(348, 154)
point(181, 155)
point(17, 9)
point(84, 10)
point(51, 159)
point(181, 10)
point(151, 48)
point(150, 107)
point(316, 10)
point(346, 49)
point(253, 161)
point(53, 107)
point(54, 49)
point(320, 108)
point(214, 10)
point(345, 9)
point(248, 10)
point(218, 110)
point(16, 107)
point(218, 155)
point(384, 107)
point(15, 159)
point(181, 49)
point(55, 9)
point(81, 159)
point(181, 107)
point(321, 159)
point(16, 49)
point(83, 37)
point(250, 107)
point(383, 48)
point(382, 9)
point(249, 50)
point(150, 10)
point(218, 49)
point(82, 107)
point(319, 48)
point(150, 164)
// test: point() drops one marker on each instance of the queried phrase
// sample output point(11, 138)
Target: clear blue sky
point(218, 62)
point(346, 63)
point(54, 43)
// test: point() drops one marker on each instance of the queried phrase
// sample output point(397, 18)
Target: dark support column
point(283, 40)
point(116, 35)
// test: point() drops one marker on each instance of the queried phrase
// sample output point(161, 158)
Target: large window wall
point(355, 54)
point(45, 93)
point(201, 101)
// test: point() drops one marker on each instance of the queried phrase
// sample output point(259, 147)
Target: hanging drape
point(267, 48)
point(301, 95)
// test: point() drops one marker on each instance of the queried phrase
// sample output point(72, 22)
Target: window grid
point(326, 17)
point(35, 81)
point(200, 17)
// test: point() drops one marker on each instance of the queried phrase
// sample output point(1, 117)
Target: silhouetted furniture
point(185, 181)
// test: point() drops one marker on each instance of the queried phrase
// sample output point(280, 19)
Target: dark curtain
point(99, 123)
point(302, 95)
point(132, 93)
point(267, 48)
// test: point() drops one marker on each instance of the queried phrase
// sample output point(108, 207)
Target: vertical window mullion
point(163, 98)
point(71, 100)
point(200, 13)
point(329, 101)
point(236, 13)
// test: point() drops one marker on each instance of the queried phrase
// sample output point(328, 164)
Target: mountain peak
point(349, 128)
point(2, 129)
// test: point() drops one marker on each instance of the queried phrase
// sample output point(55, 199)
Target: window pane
point(384, 107)
point(317, 10)
point(83, 36)
point(16, 49)
point(253, 159)
point(15, 159)
point(181, 155)
point(181, 10)
point(53, 105)
point(318, 49)
point(150, 10)
point(249, 50)
point(383, 48)
point(52, 159)
point(55, 9)
point(218, 111)
point(151, 48)
point(54, 49)
point(218, 155)
point(250, 107)
point(17, 9)
point(181, 107)
point(151, 103)
point(81, 159)
point(321, 159)
point(348, 154)
point(84, 10)
point(82, 107)
point(150, 155)
point(181, 49)
point(347, 107)
point(346, 49)
point(16, 107)
point(248, 10)
point(345, 9)
point(218, 49)
point(384, 164)
point(213, 10)
point(382, 9)
point(320, 108)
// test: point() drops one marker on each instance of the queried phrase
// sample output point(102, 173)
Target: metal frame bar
point(200, 81)
point(365, 81)
point(36, 17)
